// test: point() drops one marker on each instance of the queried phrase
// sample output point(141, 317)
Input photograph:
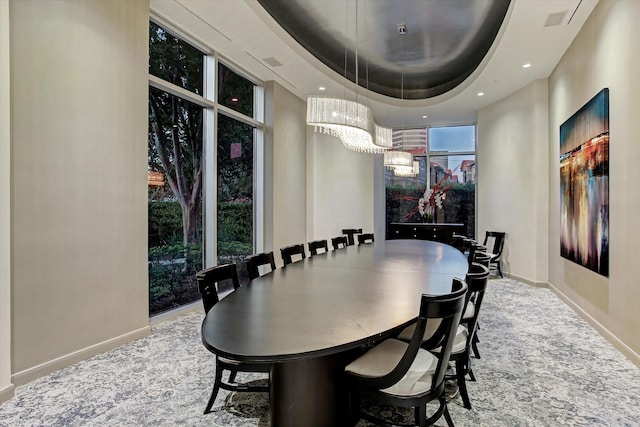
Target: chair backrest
point(498, 242)
point(349, 232)
point(317, 244)
point(446, 310)
point(209, 278)
point(254, 261)
point(481, 258)
point(477, 279)
point(473, 246)
point(338, 242)
point(365, 238)
point(288, 252)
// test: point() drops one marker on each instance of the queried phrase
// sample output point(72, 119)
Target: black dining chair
point(339, 242)
point(365, 238)
point(405, 374)
point(208, 279)
point(253, 262)
point(316, 245)
point(350, 232)
point(476, 273)
point(288, 252)
point(465, 340)
point(474, 247)
point(498, 238)
point(482, 258)
point(465, 334)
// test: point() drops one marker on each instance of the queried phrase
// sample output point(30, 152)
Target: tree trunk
point(190, 222)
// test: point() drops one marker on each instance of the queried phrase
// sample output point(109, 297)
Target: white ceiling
point(245, 35)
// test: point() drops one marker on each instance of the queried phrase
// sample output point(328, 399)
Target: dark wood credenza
point(438, 232)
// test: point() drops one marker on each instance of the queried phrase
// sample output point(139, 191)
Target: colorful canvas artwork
point(584, 185)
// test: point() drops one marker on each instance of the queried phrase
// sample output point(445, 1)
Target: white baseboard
point(175, 313)
point(23, 377)
point(528, 281)
point(608, 335)
point(7, 393)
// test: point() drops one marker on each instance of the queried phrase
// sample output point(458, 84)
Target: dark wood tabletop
point(330, 302)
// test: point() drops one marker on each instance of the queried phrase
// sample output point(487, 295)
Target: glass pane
point(453, 184)
point(235, 91)
point(413, 141)
point(403, 193)
point(452, 139)
point(235, 192)
point(174, 60)
point(175, 200)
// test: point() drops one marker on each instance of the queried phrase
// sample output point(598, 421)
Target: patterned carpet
point(541, 365)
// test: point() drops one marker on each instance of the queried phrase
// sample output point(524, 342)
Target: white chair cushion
point(460, 341)
point(470, 311)
point(432, 326)
point(381, 360)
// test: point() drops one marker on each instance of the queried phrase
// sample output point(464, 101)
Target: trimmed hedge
point(165, 223)
point(235, 222)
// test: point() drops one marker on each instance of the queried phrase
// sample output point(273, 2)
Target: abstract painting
point(584, 185)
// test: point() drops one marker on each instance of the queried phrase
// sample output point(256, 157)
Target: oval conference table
point(311, 318)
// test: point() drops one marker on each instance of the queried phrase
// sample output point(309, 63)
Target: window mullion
point(175, 90)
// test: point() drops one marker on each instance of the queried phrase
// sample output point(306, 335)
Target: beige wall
point(340, 188)
point(604, 54)
point(518, 160)
point(6, 386)
point(286, 135)
point(79, 160)
point(512, 148)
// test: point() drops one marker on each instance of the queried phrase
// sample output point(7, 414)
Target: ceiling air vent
point(273, 62)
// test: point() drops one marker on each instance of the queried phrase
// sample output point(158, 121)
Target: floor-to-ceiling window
point(190, 192)
point(446, 156)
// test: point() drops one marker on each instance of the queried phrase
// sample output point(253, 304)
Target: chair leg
point(499, 269)
point(474, 346)
point(447, 416)
point(232, 376)
point(216, 388)
point(473, 377)
point(421, 415)
point(462, 385)
point(354, 408)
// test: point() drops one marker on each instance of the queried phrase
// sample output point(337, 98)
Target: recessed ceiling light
point(321, 88)
point(424, 117)
point(527, 65)
point(480, 93)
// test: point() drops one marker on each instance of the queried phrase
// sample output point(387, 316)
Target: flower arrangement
point(431, 200)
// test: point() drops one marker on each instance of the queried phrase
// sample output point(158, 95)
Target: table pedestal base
point(310, 392)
